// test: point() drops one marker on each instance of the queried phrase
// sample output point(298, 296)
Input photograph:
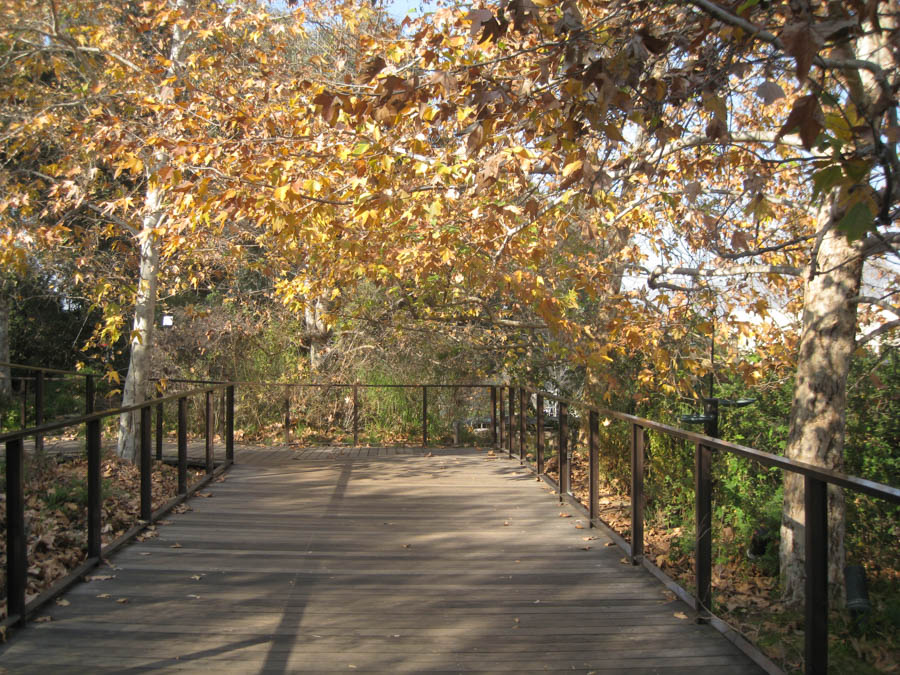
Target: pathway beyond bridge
point(372, 560)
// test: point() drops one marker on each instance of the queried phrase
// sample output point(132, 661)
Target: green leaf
point(826, 179)
point(360, 148)
point(857, 221)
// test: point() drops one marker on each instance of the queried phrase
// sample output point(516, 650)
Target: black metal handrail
point(816, 481)
point(16, 540)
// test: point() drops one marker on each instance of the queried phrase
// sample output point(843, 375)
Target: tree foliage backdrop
point(583, 194)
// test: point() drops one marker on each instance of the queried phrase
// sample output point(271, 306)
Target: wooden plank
point(391, 560)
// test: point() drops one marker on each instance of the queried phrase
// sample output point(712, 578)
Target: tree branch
point(881, 330)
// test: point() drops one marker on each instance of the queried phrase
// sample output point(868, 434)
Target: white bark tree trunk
point(818, 416)
point(139, 367)
point(138, 379)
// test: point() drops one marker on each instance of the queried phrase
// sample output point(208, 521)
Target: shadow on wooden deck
point(366, 559)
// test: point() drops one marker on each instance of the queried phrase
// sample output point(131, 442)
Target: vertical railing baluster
point(229, 423)
point(703, 530)
point(539, 433)
point(287, 415)
point(424, 416)
point(210, 458)
point(182, 445)
point(146, 467)
point(159, 428)
point(90, 394)
point(38, 409)
point(816, 544)
point(511, 394)
point(94, 489)
point(355, 414)
point(637, 493)
point(501, 432)
point(522, 409)
point(594, 465)
point(16, 545)
point(493, 416)
point(563, 452)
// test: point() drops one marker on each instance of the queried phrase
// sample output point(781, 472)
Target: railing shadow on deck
point(505, 425)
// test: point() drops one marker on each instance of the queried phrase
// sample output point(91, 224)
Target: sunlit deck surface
point(367, 559)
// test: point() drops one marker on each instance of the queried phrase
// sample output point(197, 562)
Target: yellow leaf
point(281, 192)
point(572, 167)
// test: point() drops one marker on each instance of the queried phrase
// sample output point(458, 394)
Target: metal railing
point(16, 535)
point(39, 377)
point(505, 425)
point(816, 480)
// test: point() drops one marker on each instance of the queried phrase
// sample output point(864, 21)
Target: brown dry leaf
point(586, 548)
point(122, 601)
point(668, 595)
point(175, 545)
point(193, 596)
point(203, 494)
point(43, 619)
point(588, 538)
point(406, 545)
point(506, 523)
point(579, 526)
point(565, 515)
point(610, 543)
point(680, 615)
point(100, 577)
point(163, 522)
point(624, 561)
point(104, 595)
point(62, 602)
point(197, 577)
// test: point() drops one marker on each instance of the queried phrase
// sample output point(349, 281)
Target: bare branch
point(881, 330)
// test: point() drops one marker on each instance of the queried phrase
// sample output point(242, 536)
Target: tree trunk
point(138, 378)
point(818, 416)
point(317, 331)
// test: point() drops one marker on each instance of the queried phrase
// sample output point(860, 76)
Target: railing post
point(159, 428)
point(424, 416)
point(90, 393)
point(16, 545)
point(493, 416)
point(146, 467)
point(287, 415)
point(703, 531)
point(816, 629)
point(209, 433)
point(355, 414)
point(94, 489)
point(509, 421)
point(522, 408)
point(38, 409)
point(594, 465)
point(563, 457)
point(637, 493)
point(182, 445)
point(229, 423)
point(501, 433)
point(539, 433)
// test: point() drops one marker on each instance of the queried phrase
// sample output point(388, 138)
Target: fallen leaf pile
point(56, 513)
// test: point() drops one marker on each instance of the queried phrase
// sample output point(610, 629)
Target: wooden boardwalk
point(372, 560)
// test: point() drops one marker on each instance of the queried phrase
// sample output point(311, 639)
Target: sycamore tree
point(749, 152)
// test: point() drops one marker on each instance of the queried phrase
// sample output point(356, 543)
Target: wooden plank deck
point(359, 559)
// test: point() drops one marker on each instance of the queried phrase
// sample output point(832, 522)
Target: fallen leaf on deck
point(62, 602)
point(203, 494)
point(122, 601)
point(43, 619)
point(680, 615)
point(99, 577)
point(625, 561)
point(197, 577)
point(610, 543)
point(565, 515)
point(175, 545)
point(104, 595)
point(586, 548)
